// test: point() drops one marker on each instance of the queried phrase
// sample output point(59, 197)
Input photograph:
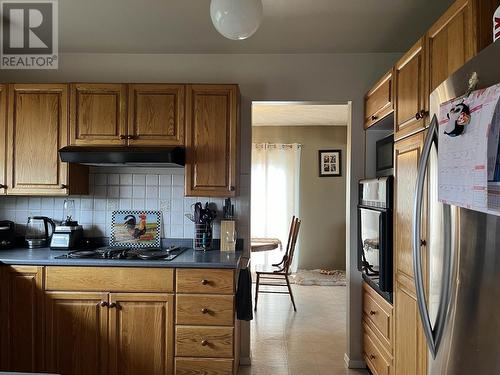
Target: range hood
point(127, 156)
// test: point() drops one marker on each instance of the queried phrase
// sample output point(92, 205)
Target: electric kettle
point(37, 231)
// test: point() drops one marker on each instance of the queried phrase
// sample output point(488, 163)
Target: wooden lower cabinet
point(21, 315)
point(111, 328)
point(76, 331)
point(377, 332)
point(410, 351)
point(141, 333)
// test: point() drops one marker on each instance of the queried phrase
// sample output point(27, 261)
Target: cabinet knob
point(123, 137)
point(103, 304)
point(113, 305)
point(131, 137)
point(204, 310)
point(64, 186)
point(423, 243)
point(204, 282)
point(231, 188)
point(421, 114)
point(374, 118)
point(372, 356)
point(372, 312)
point(2, 186)
point(204, 342)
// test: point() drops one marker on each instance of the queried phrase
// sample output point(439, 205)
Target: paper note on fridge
point(468, 156)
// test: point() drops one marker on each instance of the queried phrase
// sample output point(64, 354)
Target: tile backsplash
point(118, 189)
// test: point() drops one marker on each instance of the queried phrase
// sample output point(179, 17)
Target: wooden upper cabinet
point(21, 318)
point(98, 114)
point(141, 333)
point(378, 101)
point(76, 333)
point(459, 34)
point(156, 115)
point(211, 140)
point(411, 101)
point(3, 135)
point(37, 129)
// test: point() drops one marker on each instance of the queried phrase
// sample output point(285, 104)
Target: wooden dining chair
point(274, 275)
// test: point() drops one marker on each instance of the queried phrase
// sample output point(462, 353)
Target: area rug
point(317, 277)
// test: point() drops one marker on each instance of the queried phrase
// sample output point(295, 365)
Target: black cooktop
point(125, 253)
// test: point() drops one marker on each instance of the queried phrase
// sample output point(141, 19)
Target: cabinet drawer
point(201, 366)
point(204, 342)
point(205, 281)
point(378, 312)
point(378, 362)
point(215, 310)
point(109, 279)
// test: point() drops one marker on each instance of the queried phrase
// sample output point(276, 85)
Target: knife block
point(227, 235)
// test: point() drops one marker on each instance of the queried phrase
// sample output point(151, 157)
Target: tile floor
point(309, 342)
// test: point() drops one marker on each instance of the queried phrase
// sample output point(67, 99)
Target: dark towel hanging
point(244, 309)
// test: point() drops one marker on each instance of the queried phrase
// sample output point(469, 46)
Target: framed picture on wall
point(330, 163)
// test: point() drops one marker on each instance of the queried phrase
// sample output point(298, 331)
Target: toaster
point(7, 234)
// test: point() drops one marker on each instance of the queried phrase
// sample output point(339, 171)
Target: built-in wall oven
point(375, 233)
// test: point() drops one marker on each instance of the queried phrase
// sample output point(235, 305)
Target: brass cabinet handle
point(123, 137)
point(374, 117)
point(421, 114)
point(131, 137)
point(2, 186)
point(64, 186)
point(113, 305)
point(103, 304)
point(204, 282)
point(372, 356)
point(423, 243)
point(204, 342)
point(204, 310)
point(372, 312)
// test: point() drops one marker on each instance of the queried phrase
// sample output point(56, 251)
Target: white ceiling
point(289, 26)
point(290, 114)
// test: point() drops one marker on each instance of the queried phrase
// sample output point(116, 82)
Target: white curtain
point(275, 196)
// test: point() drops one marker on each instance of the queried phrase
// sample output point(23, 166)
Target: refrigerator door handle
point(434, 334)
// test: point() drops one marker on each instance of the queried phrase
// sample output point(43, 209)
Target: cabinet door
point(211, 140)
point(410, 92)
point(141, 333)
point(21, 316)
point(156, 115)
point(378, 101)
point(409, 345)
point(3, 135)
point(37, 129)
point(98, 114)
point(76, 328)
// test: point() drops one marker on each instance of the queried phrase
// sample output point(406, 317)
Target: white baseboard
point(245, 361)
point(353, 364)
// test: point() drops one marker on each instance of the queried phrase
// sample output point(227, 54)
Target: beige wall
point(334, 78)
point(322, 199)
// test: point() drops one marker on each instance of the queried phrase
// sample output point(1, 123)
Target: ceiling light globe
point(236, 19)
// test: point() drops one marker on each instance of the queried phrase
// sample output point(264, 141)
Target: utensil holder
point(203, 236)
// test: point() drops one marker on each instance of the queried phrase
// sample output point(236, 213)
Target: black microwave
point(385, 156)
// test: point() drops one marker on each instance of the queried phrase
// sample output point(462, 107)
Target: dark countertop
point(188, 259)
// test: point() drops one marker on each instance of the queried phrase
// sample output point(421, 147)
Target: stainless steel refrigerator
point(461, 313)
